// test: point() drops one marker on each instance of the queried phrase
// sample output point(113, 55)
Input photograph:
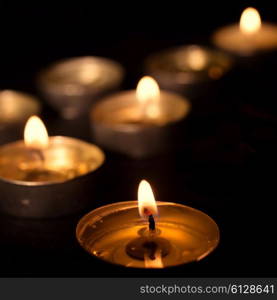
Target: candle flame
point(147, 89)
point(146, 200)
point(148, 94)
point(35, 134)
point(250, 21)
point(154, 263)
point(197, 58)
point(88, 73)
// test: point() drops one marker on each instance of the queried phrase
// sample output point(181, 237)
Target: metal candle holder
point(116, 234)
point(249, 37)
point(117, 124)
point(63, 187)
point(72, 85)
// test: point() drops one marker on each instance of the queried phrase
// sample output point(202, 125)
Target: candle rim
point(134, 204)
point(95, 111)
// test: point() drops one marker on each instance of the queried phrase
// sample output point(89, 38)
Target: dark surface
point(226, 167)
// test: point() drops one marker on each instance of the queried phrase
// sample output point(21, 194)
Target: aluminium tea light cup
point(249, 37)
point(153, 235)
point(15, 108)
point(43, 176)
point(139, 123)
point(72, 85)
point(190, 70)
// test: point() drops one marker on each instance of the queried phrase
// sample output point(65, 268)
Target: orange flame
point(147, 89)
point(146, 200)
point(35, 134)
point(250, 21)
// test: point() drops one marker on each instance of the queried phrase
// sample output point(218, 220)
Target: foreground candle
point(138, 123)
point(248, 37)
point(39, 176)
point(147, 234)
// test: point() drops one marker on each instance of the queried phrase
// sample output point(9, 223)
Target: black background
point(227, 168)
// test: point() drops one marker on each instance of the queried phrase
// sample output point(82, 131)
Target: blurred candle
point(248, 37)
point(139, 122)
point(46, 176)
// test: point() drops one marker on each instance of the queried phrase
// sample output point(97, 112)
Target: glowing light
point(147, 89)
point(250, 21)
point(89, 73)
point(35, 133)
point(146, 200)
point(148, 95)
point(196, 58)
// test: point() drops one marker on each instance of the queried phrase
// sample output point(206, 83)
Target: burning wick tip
point(151, 220)
point(37, 154)
point(152, 225)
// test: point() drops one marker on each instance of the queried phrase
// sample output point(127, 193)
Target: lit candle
point(248, 37)
point(138, 123)
point(162, 234)
point(34, 172)
point(72, 85)
point(190, 70)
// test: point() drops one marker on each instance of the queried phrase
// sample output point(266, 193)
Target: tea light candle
point(138, 123)
point(188, 69)
point(248, 37)
point(15, 109)
point(72, 85)
point(46, 176)
point(160, 235)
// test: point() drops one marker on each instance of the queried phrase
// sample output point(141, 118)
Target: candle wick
point(38, 153)
point(152, 224)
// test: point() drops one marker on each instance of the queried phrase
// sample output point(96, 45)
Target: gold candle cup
point(118, 124)
point(191, 70)
point(61, 184)
point(15, 108)
point(72, 85)
point(111, 233)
